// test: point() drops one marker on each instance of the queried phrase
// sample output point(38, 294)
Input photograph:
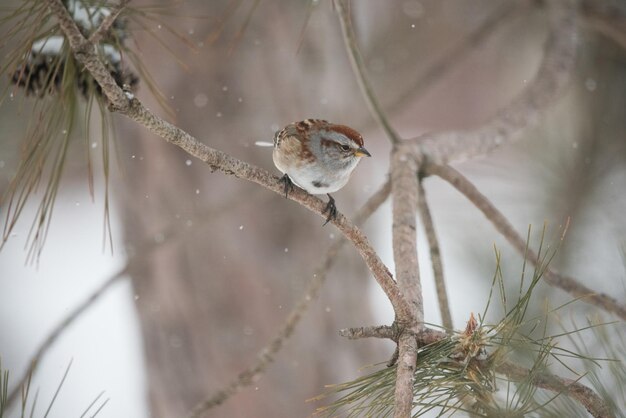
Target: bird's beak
point(362, 152)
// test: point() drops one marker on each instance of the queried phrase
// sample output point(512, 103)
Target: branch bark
point(594, 404)
point(107, 22)
point(404, 189)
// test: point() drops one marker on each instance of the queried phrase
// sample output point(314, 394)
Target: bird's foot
point(331, 209)
point(287, 184)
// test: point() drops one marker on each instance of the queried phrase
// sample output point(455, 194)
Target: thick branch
point(404, 189)
point(435, 259)
point(503, 226)
point(267, 354)
point(594, 404)
point(358, 67)
point(550, 81)
point(217, 160)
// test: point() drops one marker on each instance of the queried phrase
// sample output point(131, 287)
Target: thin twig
point(424, 336)
point(501, 223)
point(377, 331)
point(107, 22)
point(59, 329)
point(217, 160)
point(267, 354)
point(606, 17)
point(442, 66)
point(435, 259)
point(549, 83)
point(594, 404)
point(358, 67)
point(144, 250)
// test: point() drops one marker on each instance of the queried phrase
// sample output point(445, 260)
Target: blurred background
point(232, 259)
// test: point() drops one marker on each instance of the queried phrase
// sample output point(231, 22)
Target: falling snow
point(201, 100)
point(590, 84)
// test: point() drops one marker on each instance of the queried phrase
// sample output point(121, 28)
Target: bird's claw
point(287, 184)
point(331, 209)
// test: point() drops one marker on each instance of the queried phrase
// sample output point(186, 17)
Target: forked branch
point(502, 225)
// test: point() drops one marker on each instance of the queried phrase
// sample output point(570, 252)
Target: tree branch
point(549, 83)
point(606, 17)
point(594, 404)
point(217, 160)
point(59, 329)
point(377, 331)
point(436, 71)
point(404, 189)
point(502, 225)
point(435, 259)
point(266, 355)
point(144, 249)
point(107, 22)
point(85, 53)
point(358, 67)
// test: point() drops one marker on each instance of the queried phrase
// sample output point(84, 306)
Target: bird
point(317, 156)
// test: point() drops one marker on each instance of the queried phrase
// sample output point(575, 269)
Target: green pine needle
point(460, 372)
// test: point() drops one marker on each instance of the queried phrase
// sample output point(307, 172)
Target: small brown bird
point(318, 156)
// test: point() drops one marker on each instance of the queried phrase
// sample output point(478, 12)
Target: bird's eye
point(345, 147)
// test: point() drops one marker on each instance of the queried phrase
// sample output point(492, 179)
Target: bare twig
point(594, 404)
point(107, 22)
point(59, 329)
point(144, 250)
point(358, 66)
point(606, 17)
point(217, 160)
point(549, 82)
point(377, 331)
point(503, 226)
point(424, 336)
point(266, 356)
point(435, 259)
point(442, 66)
